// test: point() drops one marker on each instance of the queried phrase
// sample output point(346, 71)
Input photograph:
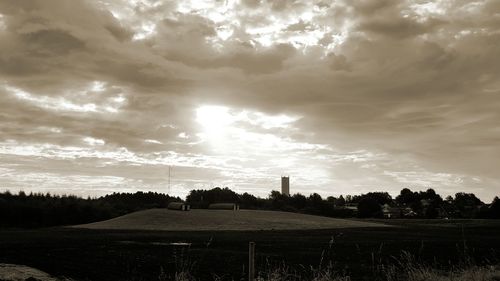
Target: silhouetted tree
point(248, 201)
point(315, 200)
point(279, 201)
point(203, 198)
point(494, 212)
point(37, 210)
point(368, 207)
point(406, 197)
point(340, 201)
point(467, 204)
point(381, 197)
point(432, 211)
point(431, 194)
point(298, 201)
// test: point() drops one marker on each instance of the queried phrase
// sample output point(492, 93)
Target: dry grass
point(473, 273)
point(284, 274)
point(415, 273)
point(405, 269)
point(210, 220)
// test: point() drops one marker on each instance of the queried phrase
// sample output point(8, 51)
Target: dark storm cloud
point(398, 28)
point(54, 49)
point(248, 60)
point(76, 41)
point(51, 42)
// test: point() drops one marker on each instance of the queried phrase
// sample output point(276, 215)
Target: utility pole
point(251, 261)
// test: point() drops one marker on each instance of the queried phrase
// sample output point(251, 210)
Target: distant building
point(285, 186)
point(391, 212)
point(179, 206)
point(348, 209)
point(351, 206)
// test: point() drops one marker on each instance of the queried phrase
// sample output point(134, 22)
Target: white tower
point(285, 186)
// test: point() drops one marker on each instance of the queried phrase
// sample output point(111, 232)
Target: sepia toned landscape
point(156, 238)
point(259, 140)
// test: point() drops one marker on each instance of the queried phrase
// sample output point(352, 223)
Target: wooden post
point(251, 261)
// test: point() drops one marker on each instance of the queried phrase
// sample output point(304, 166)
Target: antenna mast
point(169, 168)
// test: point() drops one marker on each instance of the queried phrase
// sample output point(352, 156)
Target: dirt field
point(203, 220)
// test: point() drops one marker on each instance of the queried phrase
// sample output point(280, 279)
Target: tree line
point(409, 204)
point(42, 210)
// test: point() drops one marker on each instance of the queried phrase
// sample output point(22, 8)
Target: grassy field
point(215, 220)
point(96, 254)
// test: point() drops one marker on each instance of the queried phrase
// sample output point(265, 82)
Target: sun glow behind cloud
point(262, 143)
point(133, 86)
point(222, 126)
point(215, 121)
point(2, 23)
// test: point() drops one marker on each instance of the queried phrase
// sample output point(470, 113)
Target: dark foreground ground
point(141, 255)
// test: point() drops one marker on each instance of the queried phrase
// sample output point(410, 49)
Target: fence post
point(251, 261)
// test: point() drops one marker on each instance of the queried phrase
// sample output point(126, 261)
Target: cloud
point(343, 96)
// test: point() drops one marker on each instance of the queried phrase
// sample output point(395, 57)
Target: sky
point(345, 97)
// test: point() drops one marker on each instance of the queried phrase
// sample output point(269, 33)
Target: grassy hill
point(201, 220)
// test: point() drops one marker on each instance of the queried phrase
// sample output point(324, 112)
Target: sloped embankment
point(203, 220)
